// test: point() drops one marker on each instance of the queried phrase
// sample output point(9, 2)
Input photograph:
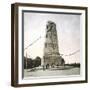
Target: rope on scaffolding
point(32, 43)
point(60, 54)
point(71, 53)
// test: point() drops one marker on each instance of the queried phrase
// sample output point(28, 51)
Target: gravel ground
point(51, 72)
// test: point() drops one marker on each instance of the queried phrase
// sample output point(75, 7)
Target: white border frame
point(82, 46)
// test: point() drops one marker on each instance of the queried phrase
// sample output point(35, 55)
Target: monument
point(51, 56)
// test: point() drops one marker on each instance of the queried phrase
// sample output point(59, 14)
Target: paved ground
point(49, 72)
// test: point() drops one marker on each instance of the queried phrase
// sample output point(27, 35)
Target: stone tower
point(51, 50)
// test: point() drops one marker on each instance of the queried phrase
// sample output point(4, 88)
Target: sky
point(68, 31)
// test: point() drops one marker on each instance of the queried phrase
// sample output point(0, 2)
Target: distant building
point(51, 50)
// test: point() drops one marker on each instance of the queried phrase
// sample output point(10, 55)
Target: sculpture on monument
point(52, 56)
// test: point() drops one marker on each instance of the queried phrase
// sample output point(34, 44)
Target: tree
point(31, 63)
point(37, 61)
point(62, 61)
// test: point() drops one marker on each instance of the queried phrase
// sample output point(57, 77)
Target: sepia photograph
point(51, 44)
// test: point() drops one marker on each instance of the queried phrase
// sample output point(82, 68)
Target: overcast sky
point(68, 30)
